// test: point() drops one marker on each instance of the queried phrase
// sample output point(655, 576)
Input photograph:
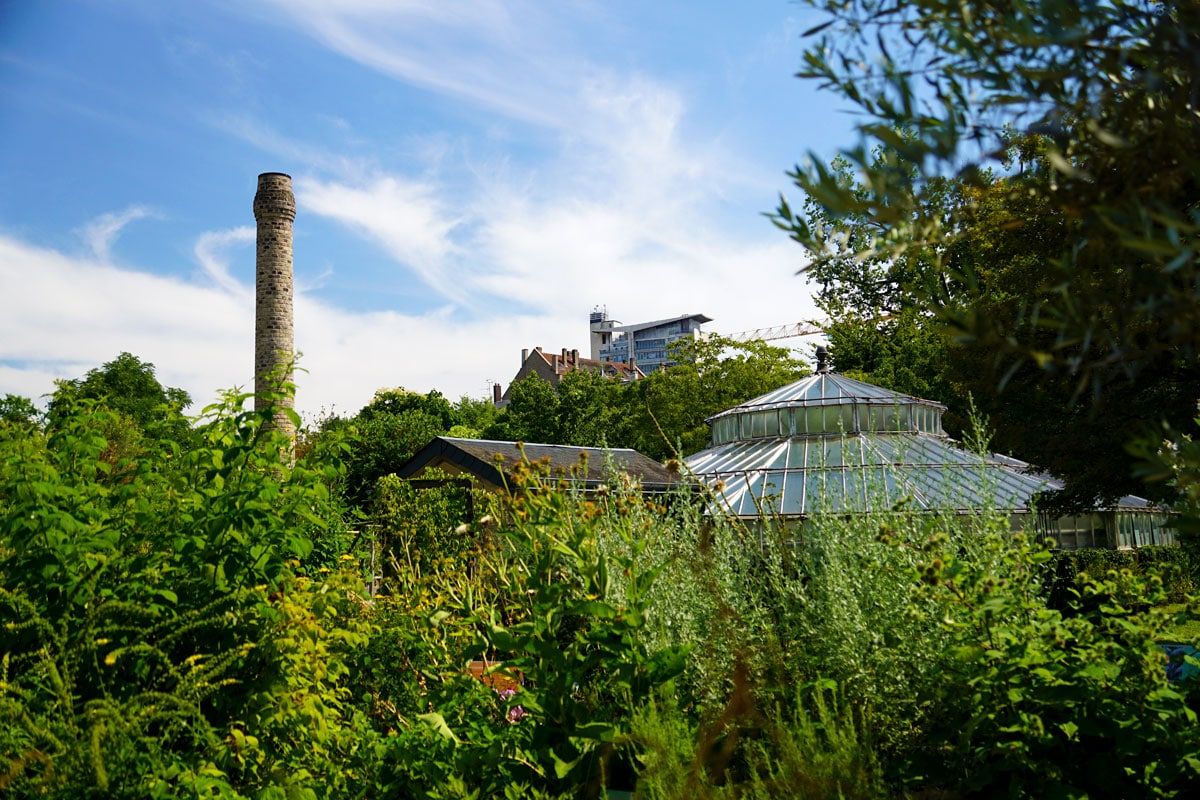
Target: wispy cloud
point(407, 218)
point(513, 57)
point(210, 254)
point(100, 233)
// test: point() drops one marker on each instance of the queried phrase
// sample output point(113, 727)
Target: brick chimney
point(274, 344)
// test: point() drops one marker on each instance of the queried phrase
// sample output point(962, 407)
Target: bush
point(1175, 565)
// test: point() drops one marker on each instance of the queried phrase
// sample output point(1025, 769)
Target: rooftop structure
point(491, 462)
point(645, 344)
point(831, 443)
point(550, 367)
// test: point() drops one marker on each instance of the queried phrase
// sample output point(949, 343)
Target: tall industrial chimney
point(274, 345)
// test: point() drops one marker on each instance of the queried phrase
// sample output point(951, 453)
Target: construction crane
point(790, 331)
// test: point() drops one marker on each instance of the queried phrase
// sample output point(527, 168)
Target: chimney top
point(274, 198)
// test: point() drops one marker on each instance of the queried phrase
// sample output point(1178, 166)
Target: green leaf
point(438, 723)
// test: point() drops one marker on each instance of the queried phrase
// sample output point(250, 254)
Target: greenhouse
point(828, 443)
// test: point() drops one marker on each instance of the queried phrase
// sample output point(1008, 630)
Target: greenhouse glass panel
point(795, 453)
point(832, 453)
point(875, 487)
point(856, 494)
point(814, 422)
point(814, 491)
point(846, 418)
point(758, 427)
point(834, 497)
point(773, 456)
point(793, 493)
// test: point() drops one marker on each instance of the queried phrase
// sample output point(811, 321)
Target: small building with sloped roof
point(828, 443)
point(491, 463)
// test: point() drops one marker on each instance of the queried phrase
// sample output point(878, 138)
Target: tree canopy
point(1025, 195)
point(128, 386)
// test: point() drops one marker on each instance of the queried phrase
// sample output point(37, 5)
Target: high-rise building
point(646, 344)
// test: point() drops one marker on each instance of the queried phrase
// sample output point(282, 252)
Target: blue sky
point(472, 177)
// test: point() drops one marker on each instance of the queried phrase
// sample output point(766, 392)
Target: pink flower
point(515, 714)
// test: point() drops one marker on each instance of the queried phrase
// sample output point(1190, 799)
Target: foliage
point(817, 749)
point(18, 410)
point(472, 416)
point(133, 594)
point(399, 401)
point(1005, 233)
point(1049, 704)
point(667, 410)
point(379, 443)
point(531, 414)
point(1020, 179)
point(1174, 565)
point(127, 385)
point(419, 526)
point(183, 622)
point(300, 731)
point(1107, 87)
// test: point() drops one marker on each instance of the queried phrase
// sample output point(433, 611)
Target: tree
point(378, 444)
point(128, 386)
point(531, 414)
point(399, 400)
point(882, 332)
point(667, 410)
point(1031, 173)
point(472, 416)
point(1107, 89)
point(18, 410)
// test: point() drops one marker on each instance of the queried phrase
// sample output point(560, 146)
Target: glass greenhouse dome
point(834, 444)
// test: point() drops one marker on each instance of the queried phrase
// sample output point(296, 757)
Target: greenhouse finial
point(822, 360)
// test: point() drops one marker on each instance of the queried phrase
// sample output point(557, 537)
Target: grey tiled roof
point(493, 461)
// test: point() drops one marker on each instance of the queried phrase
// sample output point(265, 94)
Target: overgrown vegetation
point(185, 615)
point(195, 623)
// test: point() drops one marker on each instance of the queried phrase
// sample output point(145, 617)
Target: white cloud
point(67, 314)
point(624, 204)
point(210, 253)
point(100, 233)
point(510, 56)
point(405, 217)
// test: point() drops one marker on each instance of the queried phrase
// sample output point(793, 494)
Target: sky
point(471, 178)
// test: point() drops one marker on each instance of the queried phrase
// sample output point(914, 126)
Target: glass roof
point(823, 404)
point(831, 443)
point(826, 388)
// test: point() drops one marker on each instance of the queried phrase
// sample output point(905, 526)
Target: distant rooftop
point(701, 318)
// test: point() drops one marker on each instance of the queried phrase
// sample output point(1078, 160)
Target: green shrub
point(813, 747)
point(1175, 565)
point(1051, 704)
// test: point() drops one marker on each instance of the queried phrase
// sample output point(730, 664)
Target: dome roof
point(824, 404)
point(826, 389)
point(832, 443)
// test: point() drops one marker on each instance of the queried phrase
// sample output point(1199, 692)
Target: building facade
point(645, 344)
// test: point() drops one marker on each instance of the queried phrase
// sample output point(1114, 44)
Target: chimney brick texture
point(274, 343)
